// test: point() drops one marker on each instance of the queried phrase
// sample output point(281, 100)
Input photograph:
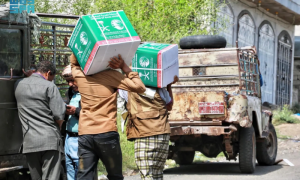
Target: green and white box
point(157, 64)
point(98, 37)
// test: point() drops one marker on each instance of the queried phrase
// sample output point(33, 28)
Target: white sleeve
point(164, 94)
point(123, 94)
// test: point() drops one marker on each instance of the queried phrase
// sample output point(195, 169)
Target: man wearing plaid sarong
point(151, 154)
point(148, 126)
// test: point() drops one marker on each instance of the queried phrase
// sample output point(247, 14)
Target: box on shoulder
point(157, 64)
point(98, 37)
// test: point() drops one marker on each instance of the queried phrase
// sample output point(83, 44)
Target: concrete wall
point(297, 67)
point(297, 30)
point(260, 18)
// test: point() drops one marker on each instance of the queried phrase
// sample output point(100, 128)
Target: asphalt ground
point(230, 170)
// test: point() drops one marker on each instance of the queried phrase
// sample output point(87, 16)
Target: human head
point(67, 74)
point(47, 69)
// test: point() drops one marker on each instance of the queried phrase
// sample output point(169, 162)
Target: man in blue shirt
point(73, 111)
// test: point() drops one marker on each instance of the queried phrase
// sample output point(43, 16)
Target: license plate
point(211, 107)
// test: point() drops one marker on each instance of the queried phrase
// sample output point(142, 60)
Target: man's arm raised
point(132, 81)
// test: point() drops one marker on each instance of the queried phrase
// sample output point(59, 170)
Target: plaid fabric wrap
point(150, 156)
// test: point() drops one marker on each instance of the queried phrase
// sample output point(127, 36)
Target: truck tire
point(184, 157)
point(247, 150)
point(202, 41)
point(267, 149)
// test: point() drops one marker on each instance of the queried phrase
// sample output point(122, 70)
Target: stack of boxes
point(98, 37)
point(157, 64)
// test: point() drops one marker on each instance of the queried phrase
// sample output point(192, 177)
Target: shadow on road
point(219, 169)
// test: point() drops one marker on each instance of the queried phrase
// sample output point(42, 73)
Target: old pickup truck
point(217, 108)
point(19, 49)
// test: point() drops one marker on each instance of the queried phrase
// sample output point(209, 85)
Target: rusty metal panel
point(208, 130)
point(186, 105)
point(221, 56)
point(265, 117)
point(209, 71)
point(185, 72)
point(228, 70)
point(195, 123)
point(208, 82)
point(228, 89)
point(211, 107)
point(241, 108)
point(237, 109)
point(254, 105)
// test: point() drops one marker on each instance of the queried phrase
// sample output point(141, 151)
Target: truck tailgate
point(199, 106)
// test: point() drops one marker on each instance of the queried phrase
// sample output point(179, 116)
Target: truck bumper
point(198, 130)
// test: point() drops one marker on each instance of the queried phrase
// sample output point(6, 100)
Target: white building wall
point(278, 25)
point(297, 30)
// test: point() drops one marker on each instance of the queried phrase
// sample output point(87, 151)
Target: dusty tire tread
point(246, 151)
point(261, 152)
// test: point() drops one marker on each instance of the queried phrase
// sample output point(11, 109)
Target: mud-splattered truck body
point(217, 108)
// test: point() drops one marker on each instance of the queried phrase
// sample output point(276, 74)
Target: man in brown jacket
point(98, 136)
point(149, 127)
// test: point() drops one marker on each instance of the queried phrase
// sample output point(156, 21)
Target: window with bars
point(284, 63)
point(246, 31)
point(52, 45)
point(267, 59)
point(249, 73)
point(11, 52)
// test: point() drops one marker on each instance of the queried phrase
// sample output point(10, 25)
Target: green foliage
point(127, 148)
point(170, 164)
point(154, 20)
point(199, 157)
point(296, 108)
point(284, 115)
point(3, 1)
point(127, 151)
point(165, 21)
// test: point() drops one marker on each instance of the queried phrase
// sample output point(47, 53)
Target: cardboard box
point(157, 64)
point(98, 37)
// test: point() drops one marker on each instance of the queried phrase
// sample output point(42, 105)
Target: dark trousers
point(104, 146)
point(44, 164)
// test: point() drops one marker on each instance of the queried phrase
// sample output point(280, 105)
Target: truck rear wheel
point(267, 149)
point(247, 151)
point(184, 157)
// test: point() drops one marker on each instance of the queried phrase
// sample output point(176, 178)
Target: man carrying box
point(148, 126)
point(98, 136)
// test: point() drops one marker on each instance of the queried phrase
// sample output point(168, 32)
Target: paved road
point(230, 170)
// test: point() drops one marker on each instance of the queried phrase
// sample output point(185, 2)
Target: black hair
point(32, 67)
point(45, 66)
